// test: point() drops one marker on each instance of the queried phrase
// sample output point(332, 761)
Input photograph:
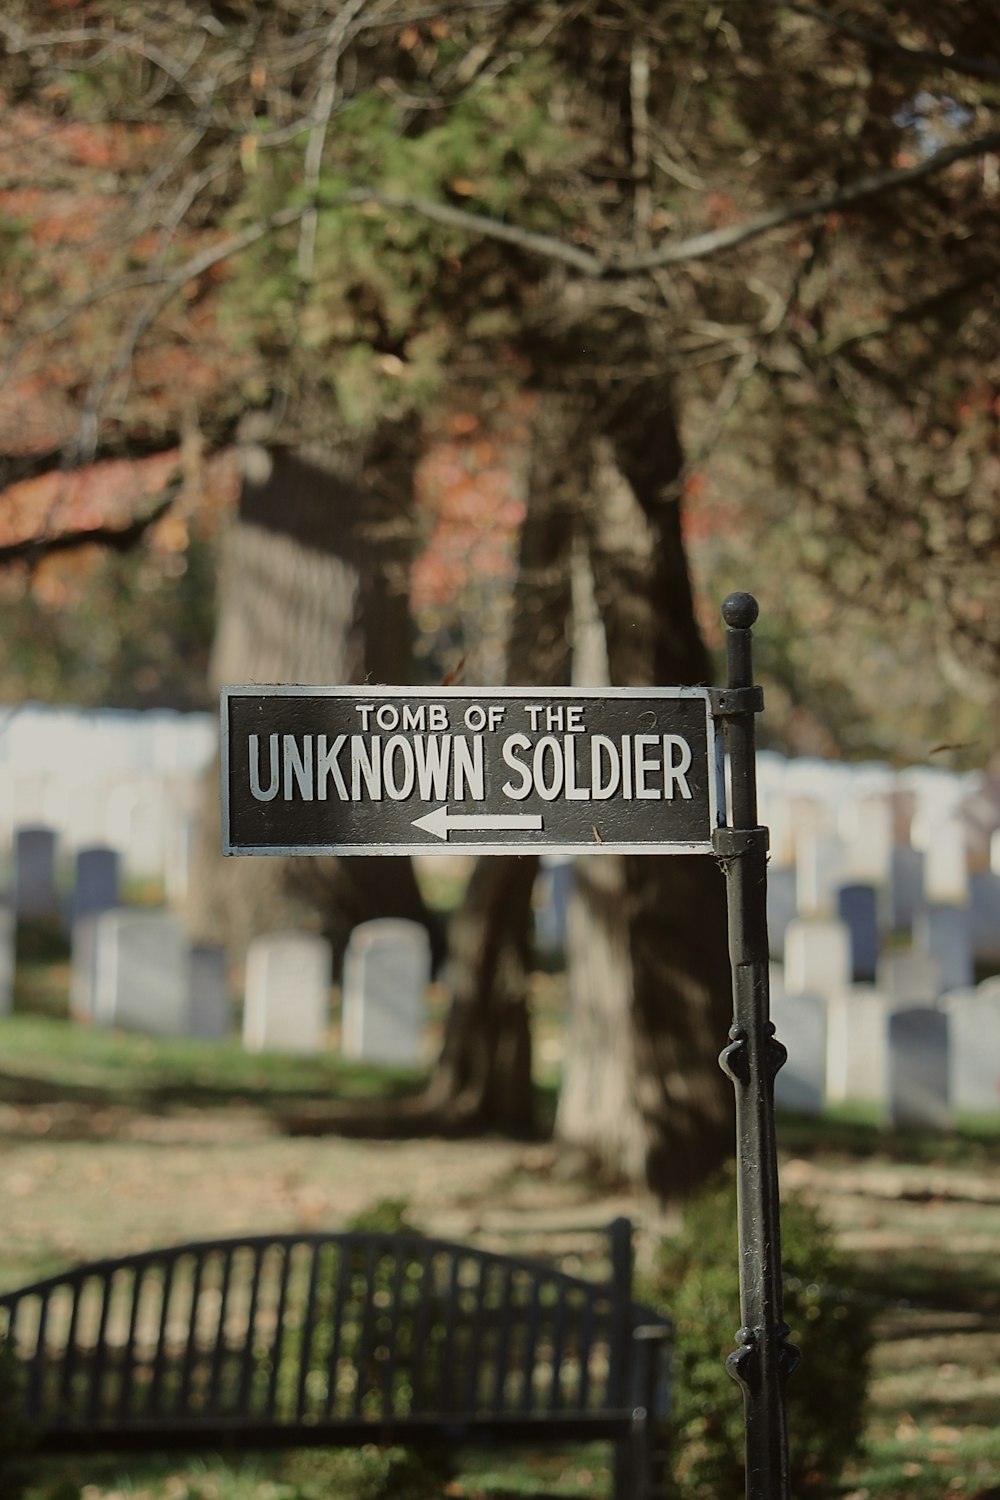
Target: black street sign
point(385, 770)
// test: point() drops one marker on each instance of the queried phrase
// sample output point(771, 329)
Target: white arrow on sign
point(440, 822)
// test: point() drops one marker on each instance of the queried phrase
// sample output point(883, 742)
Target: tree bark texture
point(483, 1078)
point(313, 589)
point(650, 997)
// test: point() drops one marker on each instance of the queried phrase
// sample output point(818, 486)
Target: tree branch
point(956, 62)
point(694, 247)
point(111, 538)
point(700, 246)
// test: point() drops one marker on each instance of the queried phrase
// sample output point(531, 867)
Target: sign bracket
point(763, 1358)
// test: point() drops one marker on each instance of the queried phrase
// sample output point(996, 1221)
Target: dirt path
point(81, 1183)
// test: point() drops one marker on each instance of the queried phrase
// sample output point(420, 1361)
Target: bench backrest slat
point(308, 1333)
point(504, 1320)
point(471, 1390)
point(127, 1388)
point(190, 1348)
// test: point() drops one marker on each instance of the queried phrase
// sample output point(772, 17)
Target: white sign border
point(716, 764)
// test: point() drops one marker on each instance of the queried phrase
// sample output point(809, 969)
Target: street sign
point(388, 770)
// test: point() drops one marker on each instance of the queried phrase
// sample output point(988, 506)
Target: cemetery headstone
point(906, 888)
point(95, 885)
point(946, 864)
point(141, 972)
point(780, 907)
point(800, 1021)
point(857, 1029)
point(869, 837)
point(857, 908)
point(387, 968)
point(945, 932)
point(553, 893)
point(984, 916)
point(974, 1054)
point(908, 977)
point(83, 969)
point(817, 956)
point(35, 872)
point(287, 1001)
point(210, 1006)
point(819, 867)
point(6, 960)
point(919, 1067)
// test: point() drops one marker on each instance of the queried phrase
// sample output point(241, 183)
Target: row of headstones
point(919, 1065)
point(39, 858)
point(828, 954)
point(37, 739)
point(96, 879)
point(133, 968)
point(128, 780)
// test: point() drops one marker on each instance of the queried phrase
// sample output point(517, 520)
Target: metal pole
point(763, 1358)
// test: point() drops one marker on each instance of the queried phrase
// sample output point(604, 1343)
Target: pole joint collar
point(727, 703)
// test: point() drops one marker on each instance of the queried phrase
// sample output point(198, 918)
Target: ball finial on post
point(740, 610)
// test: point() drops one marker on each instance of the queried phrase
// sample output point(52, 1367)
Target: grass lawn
point(109, 1142)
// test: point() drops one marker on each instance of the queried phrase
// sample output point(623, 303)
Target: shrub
point(697, 1279)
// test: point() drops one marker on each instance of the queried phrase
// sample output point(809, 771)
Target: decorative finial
point(740, 611)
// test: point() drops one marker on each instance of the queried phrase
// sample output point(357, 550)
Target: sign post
point(763, 1359)
point(387, 770)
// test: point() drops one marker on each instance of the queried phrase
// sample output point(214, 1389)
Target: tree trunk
point(650, 995)
point(313, 589)
point(483, 1078)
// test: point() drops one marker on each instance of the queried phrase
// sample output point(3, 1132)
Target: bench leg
point(637, 1473)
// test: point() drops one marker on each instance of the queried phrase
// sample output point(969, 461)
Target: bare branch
point(694, 247)
point(700, 246)
point(955, 62)
point(336, 40)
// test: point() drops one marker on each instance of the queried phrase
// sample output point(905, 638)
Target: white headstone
point(908, 977)
point(800, 1024)
point(946, 864)
point(868, 830)
point(974, 1055)
point(819, 867)
point(95, 885)
point(945, 932)
point(210, 1006)
point(287, 1002)
point(141, 972)
point(817, 957)
point(918, 1069)
point(857, 1043)
point(35, 872)
point(387, 968)
point(83, 969)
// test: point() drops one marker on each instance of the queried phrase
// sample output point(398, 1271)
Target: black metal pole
point(763, 1358)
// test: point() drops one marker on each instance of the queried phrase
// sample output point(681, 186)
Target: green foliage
point(371, 1473)
point(697, 1278)
point(390, 288)
point(138, 633)
point(384, 1216)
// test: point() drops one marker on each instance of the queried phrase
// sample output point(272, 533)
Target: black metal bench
point(340, 1339)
